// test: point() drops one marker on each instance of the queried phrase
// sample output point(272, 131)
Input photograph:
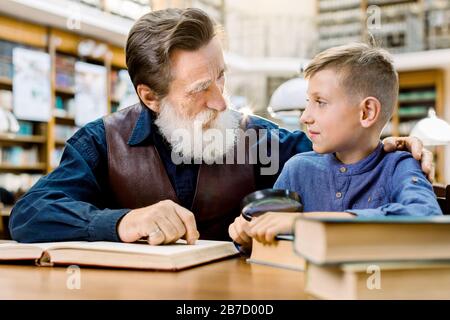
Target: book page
point(139, 248)
point(12, 250)
point(10, 244)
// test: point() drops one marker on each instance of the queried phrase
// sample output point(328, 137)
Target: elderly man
point(138, 174)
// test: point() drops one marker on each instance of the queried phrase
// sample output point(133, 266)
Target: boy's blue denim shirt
point(379, 185)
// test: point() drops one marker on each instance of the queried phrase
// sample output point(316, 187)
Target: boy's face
point(332, 117)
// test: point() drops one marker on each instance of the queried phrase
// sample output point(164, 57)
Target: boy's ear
point(370, 112)
point(148, 97)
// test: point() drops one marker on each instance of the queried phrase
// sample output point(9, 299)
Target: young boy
point(352, 91)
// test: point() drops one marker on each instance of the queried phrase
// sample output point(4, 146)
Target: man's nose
point(216, 99)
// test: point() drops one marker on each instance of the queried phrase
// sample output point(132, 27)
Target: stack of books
point(362, 258)
point(382, 258)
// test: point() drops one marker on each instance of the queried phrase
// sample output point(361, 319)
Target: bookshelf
point(406, 25)
point(418, 92)
point(340, 22)
point(438, 27)
point(45, 140)
point(23, 154)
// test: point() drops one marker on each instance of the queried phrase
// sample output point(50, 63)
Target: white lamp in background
point(432, 130)
point(288, 100)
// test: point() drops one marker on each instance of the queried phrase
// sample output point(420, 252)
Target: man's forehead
point(198, 65)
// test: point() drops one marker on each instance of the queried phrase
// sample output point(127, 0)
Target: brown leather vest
point(137, 178)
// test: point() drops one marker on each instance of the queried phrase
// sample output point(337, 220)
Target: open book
point(119, 255)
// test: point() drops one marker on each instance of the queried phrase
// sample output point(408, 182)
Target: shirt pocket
point(372, 199)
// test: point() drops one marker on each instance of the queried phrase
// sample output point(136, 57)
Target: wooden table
point(226, 279)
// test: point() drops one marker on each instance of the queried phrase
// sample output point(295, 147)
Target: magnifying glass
point(262, 201)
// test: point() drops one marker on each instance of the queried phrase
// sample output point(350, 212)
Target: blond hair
point(364, 71)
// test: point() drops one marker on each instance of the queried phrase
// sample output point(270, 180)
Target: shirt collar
point(366, 164)
point(142, 128)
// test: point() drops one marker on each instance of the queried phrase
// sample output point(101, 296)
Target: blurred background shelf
point(65, 91)
point(15, 138)
point(23, 168)
point(6, 82)
point(60, 142)
point(6, 211)
point(68, 120)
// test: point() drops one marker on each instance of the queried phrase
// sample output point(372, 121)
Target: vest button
point(338, 194)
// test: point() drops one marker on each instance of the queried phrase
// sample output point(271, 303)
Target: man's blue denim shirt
point(381, 184)
point(74, 202)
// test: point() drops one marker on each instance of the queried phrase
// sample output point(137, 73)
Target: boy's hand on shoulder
point(267, 226)
point(415, 146)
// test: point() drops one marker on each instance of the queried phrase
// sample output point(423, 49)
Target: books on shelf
point(338, 4)
point(122, 90)
point(64, 132)
point(6, 101)
point(413, 111)
point(417, 94)
point(17, 183)
point(280, 254)
point(64, 107)
point(406, 280)
point(65, 71)
point(338, 240)
point(119, 255)
point(6, 65)
point(19, 155)
point(26, 128)
point(56, 156)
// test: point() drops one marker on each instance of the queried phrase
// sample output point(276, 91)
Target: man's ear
point(370, 112)
point(148, 97)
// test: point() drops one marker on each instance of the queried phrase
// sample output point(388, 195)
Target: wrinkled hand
point(267, 226)
point(164, 222)
point(239, 231)
point(415, 146)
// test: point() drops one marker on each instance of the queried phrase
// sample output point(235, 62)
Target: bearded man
point(168, 167)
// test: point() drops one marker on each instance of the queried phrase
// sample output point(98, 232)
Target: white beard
point(207, 137)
